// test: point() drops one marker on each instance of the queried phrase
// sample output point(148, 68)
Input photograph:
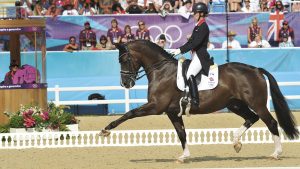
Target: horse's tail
point(282, 110)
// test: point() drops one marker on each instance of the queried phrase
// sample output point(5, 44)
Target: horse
point(242, 89)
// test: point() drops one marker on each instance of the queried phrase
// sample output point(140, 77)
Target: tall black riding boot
point(193, 90)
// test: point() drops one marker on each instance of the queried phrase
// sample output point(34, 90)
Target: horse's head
point(129, 66)
point(140, 53)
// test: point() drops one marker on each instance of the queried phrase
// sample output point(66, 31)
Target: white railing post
point(127, 100)
point(56, 93)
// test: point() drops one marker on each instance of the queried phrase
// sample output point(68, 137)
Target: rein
point(151, 68)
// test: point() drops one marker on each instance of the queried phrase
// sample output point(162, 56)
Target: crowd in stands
point(163, 7)
point(88, 38)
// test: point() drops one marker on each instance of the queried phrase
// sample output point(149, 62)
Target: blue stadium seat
point(218, 6)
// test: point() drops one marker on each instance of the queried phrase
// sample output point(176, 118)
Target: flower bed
point(55, 118)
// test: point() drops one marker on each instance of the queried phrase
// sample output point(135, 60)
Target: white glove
point(176, 52)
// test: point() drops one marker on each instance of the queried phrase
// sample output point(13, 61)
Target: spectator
point(69, 9)
point(166, 8)
point(142, 32)
point(259, 43)
point(271, 4)
point(247, 8)
point(39, 10)
point(151, 9)
point(296, 6)
point(134, 8)
point(87, 9)
point(26, 44)
point(263, 6)
point(278, 7)
point(286, 30)
point(124, 3)
point(186, 8)
point(4, 42)
point(22, 11)
point(232, 43)
point(9, 76)
point(162, 42)
point(105, 6)
point(103, 44)
point(2, 45)
point(254, 30)
point(87, 37)
point(286, 6)
point(45, 4)
point(254, 4)
point(210, 45)
point(157, 4)
point(285, 42)
point(128, 35)
point(117, 9)
point(234, 5)
point(114, 34)
point(176, 4)
point(52, 11)
point(72, 45)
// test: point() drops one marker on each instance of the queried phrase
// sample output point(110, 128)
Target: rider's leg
point(193, 70)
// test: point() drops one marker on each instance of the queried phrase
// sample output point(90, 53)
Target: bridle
point(131, 73)
point(135, 75)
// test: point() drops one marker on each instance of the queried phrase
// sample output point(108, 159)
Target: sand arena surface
point(160, 157)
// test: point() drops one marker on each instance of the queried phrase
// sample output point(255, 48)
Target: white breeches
point(194, 67)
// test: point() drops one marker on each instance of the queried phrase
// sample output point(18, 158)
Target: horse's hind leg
point(272, 125)
point(179, 127)
point(240, 108)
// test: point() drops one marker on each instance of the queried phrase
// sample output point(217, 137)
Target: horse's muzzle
point(127, 81)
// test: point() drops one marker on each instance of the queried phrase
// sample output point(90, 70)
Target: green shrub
point(16, 122)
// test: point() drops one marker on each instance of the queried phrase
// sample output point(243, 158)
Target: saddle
point(203, 82)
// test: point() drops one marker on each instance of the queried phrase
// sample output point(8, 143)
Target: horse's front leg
point(179, 127)
point(144, 110)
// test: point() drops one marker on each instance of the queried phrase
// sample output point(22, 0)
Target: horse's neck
point(160, 70)
point(151, 61)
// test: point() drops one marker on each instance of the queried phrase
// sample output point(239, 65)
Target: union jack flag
point(275, 22)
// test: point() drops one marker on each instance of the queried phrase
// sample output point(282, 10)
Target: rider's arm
point(199, 34)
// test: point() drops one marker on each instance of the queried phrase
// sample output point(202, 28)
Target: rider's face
point(196, 16)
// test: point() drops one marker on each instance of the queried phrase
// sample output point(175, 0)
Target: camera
point(260, 46)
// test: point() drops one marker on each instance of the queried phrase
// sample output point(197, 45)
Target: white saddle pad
point(207, 82)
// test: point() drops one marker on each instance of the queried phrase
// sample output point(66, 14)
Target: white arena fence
point(127, 100)
point(133, 138)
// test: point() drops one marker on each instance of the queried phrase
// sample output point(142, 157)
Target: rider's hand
point(176, 52)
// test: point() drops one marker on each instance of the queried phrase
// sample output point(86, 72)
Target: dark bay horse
point(242, 89)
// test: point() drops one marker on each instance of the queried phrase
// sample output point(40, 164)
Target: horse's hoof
point(104, 133)
point(237, 147)
point(275, 157)
point(182, 160)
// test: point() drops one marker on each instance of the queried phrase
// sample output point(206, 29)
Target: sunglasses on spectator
point(141, 24)
point(102, 39)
